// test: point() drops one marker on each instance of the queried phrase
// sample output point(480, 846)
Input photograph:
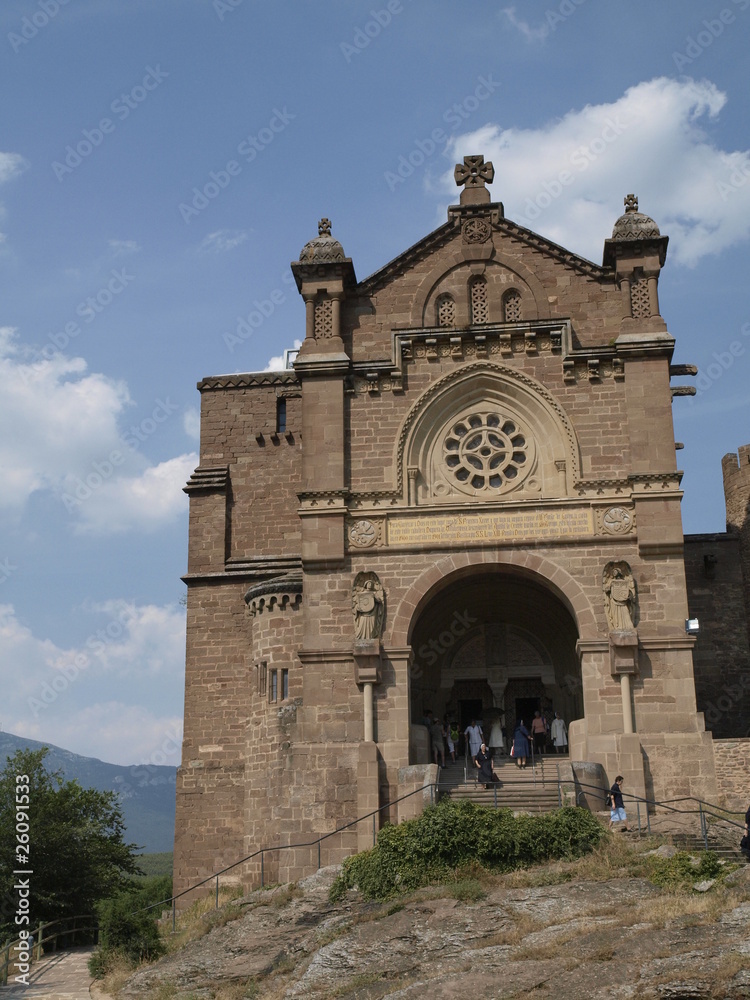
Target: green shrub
point(127, 928)
point(451, 834)
point(681, 871)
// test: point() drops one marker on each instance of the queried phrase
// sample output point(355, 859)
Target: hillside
point(147, 791)
point(599, 927)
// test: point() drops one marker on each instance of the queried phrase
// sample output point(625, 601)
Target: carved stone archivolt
point(487, 431)
point(368, 607)
point(620, 599)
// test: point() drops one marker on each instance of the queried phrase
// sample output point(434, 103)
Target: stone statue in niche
point(368, 606)
point(619, 597)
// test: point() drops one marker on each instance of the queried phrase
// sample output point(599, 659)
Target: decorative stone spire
point(324, 248)
point(634, 225)
point(636, 252)
point(473, 173)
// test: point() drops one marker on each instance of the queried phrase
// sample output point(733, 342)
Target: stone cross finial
point(324, 227)
point(473, 172)
point(631, 203)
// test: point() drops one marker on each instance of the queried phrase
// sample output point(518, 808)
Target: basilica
point(463, 495)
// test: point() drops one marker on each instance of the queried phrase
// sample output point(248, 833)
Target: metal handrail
point(262, 851)
point(39, 940)
point(704, 809)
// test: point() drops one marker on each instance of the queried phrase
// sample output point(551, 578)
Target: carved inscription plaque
point(549, 522)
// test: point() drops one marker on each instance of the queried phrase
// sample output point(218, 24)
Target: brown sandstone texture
point(619, 939)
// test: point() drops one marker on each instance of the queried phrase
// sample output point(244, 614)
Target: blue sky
point(163, 161)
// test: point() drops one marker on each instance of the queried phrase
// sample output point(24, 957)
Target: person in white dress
point(473, 734)
point(497, 741)
point(559, 733)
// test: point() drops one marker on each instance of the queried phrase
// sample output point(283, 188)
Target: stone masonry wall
point(736, 473)
point(732, 768)
point(721, 655)
point(211, 779)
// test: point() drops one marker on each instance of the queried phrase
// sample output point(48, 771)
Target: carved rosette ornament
point(617, 521)
point(476, 231)
point(363, 533)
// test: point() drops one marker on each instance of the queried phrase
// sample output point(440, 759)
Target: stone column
point(623, 652)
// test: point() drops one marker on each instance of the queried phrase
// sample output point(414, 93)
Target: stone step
point(528, 799)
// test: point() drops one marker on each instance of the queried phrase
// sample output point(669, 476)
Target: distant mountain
point(147, 791)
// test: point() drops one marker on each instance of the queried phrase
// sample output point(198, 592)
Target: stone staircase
point(529, 789)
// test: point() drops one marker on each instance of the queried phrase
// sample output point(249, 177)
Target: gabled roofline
point(438, 237)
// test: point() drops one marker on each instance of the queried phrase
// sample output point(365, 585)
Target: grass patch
point(201, 917)
point(248, 990)
point(684, 869)
point(118, 970)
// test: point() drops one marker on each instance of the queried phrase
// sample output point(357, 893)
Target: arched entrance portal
point(496, 643)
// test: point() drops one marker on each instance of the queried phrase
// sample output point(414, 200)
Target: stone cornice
point(637, 484)
point(248, 380)
point(208, 478)
point(449, 230)
point(550, 249)
point(279, 591)
point(314, 656)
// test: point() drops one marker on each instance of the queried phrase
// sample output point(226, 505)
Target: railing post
point(704, 826)
point(38, 948)
point(216, 906)
point(174, 914)
point(374, 829)
point(318, 855)
point(262, 873)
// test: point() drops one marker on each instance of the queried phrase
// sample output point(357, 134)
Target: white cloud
point(530, 33)
point(11, 165)
point(120, 248)
point(276, 364)
point(191, 421)
point(222, 240)
point(126, 503)
point(566, 180)
point(90, 699)
point(63, 434)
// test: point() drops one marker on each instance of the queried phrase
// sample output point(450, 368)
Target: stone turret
point(637, 252)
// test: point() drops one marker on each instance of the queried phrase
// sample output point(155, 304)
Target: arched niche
point(454, 278)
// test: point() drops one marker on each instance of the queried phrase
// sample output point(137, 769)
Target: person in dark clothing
point(616, 804)
point(483, 761)
point(521, 748)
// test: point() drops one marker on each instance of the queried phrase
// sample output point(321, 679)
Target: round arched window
point(487, 452)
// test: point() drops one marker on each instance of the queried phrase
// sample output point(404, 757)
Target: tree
point(75, 854)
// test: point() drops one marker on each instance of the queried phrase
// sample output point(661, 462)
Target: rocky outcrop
point(623, 938)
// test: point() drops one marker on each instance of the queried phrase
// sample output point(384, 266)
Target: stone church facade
point(463, 496)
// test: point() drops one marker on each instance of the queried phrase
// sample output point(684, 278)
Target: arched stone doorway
point(497, 642)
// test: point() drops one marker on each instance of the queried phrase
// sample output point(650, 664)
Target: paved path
point(62, 976)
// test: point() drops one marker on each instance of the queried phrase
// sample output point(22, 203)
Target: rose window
point(486, 451)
